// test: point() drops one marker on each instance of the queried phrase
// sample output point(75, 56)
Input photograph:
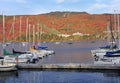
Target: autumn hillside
point(56, 23)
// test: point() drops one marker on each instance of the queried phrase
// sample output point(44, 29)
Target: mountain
point(59, 23)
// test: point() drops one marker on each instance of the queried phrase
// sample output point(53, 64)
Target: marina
point(63, 66)
point(34, 51)
point(59, 41)
point(64, 58)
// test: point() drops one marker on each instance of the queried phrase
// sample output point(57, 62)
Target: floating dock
point(70, 66)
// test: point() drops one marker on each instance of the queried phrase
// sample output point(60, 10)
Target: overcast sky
point(24, 7)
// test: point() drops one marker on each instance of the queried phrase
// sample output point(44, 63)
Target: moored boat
point(8, 67)
point(111, 53)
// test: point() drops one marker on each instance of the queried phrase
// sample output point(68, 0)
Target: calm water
point(37, 76)
point(78, 52)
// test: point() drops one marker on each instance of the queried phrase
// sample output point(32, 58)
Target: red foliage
point(76, 22)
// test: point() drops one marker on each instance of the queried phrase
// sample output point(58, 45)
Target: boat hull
point(8, 67)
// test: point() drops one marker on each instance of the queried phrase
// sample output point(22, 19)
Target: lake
point(75, 52)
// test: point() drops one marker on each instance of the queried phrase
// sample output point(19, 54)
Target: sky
point(30, 7)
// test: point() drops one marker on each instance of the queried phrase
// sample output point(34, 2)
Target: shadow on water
point(68, 76)
point(107, 73)
point(7, 75)
point(60, 76)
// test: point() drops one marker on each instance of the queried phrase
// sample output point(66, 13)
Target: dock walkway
point(70, 66)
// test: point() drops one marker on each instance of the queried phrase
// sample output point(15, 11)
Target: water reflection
point(60, 76)
point(6, 76)
point(64, 76)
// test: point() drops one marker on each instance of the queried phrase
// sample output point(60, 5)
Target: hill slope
point(58, 22)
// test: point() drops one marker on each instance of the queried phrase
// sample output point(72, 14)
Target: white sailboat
point(40, 46)
point(16, 57)
point(110, 55)
point(26, 55)
point(40, 54)
point(101, 51)
point(6, 66)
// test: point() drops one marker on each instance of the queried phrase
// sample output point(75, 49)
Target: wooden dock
point(70, 66)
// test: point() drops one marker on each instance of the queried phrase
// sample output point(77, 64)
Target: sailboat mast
point(111, 32)
point(27, 30)
point(118, 31)
point(3, 28)
point(38, 31)
point(20, 32)
point(115, 25)
point(13, 28)
point(41, 34)
point(20, 28)
point(33, 34)
point(13, 36)
point(108, 31)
